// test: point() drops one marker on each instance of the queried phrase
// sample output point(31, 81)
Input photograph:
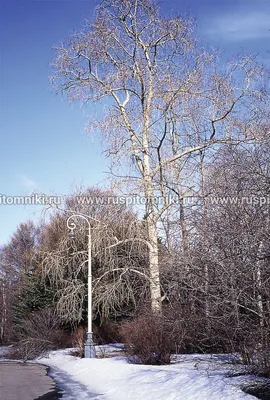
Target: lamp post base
point(89, 348)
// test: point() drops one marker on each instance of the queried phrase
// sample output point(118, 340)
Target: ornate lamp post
point(89, 348)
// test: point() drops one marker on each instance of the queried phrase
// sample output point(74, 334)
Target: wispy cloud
point(239, 27)
point(27, 183)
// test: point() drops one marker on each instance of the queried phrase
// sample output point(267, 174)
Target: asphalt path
point(23, 381)
point(29, 381)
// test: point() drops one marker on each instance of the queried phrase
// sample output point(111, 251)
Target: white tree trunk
point(258, 274)
point(4, 313)
point(155, 290)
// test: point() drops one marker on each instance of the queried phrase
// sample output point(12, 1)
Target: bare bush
point(148, 339)
point(30, 348)
point(108, 332)
point(78, 340)
point(255, 351)
point(38, 334)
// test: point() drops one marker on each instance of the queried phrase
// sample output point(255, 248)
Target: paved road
point(20, 381)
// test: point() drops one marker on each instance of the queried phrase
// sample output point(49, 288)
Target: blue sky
point(43, 145)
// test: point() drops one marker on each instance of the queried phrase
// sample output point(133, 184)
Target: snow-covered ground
point(4, 350)
point(189, 377)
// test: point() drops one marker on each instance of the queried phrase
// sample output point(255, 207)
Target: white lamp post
point(89, 348)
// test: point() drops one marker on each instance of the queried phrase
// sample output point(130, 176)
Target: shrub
point(255, 351)
point(149, 339)
point(38, 334)
point(107, 332)
point(78, 339)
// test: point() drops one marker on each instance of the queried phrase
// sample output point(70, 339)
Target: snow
point(69, 388)
point(189, 377)
point(4, 350)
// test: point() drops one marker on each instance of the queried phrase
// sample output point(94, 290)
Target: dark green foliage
point(40, 332)
point(31, 295)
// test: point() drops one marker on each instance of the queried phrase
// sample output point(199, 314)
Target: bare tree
point(119, 258)
point(144, 66)
point(235, 247)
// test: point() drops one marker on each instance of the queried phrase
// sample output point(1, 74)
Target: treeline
point(214, 266)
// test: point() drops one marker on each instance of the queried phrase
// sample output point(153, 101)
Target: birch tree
point(140, 65)
point(3, 302)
